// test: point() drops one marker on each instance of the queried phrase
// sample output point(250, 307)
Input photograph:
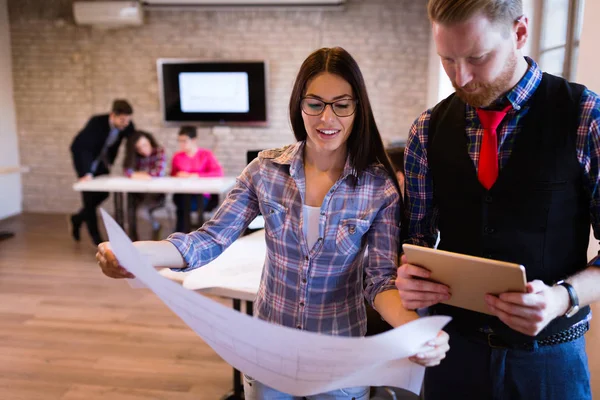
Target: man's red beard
point(488, 92)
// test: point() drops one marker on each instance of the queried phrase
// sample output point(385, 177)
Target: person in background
point(325, 199)
point(396, 155)
point(94, 150)
point(505, 168)
point(145, 159)
point(193, 161)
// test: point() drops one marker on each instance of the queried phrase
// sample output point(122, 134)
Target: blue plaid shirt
point(318, 289)
point(422, 215)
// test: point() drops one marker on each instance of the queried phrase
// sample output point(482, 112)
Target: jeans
point(474, 370)
point(254, 390)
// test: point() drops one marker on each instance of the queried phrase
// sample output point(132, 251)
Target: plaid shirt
point(155, 164)
point(318, 289)
point(422, 215)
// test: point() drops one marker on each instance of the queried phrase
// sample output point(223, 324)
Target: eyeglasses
point(341, 108)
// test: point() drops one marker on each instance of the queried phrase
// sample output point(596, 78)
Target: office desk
point(235, 275)
point(118, 185)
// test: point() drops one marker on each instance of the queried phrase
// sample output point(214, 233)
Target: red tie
point(488, 155)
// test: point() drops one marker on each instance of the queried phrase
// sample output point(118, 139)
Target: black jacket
point(88, 143)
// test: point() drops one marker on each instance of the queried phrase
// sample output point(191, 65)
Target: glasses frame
point(328, 103)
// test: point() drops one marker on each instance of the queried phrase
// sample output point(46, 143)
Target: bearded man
point(505, 168)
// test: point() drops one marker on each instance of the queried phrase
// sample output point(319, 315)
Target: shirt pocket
point(350, 234)
point(274, 215)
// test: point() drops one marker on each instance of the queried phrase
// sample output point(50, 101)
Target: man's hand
point(532, 311)
point(85, 178)
point(415, 290)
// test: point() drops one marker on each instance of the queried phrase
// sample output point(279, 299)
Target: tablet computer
point(468, 277)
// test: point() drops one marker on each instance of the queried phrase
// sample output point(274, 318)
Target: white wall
point(10, 185)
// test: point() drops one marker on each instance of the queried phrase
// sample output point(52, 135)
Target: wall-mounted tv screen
point(212, 92)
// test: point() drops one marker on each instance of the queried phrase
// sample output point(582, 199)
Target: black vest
point(537, 213)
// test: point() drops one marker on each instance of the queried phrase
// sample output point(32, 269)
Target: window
point(559, 34)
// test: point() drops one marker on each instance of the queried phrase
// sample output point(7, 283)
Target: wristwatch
point(573, 299)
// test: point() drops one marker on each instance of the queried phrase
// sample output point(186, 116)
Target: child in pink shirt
point(193, 161)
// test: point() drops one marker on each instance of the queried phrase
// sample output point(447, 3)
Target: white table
point(186, 186)
point(235, 274)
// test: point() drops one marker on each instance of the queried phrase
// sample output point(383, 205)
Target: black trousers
point(91, 201)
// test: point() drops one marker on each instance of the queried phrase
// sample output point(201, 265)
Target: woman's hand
point(433, 352)
point(109, 263)
point(141, 175)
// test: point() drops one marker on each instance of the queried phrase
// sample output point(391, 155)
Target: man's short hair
point(188, 130)
point(121, 107)
point(448, 12)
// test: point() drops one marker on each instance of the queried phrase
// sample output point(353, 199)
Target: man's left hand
point(532, 311)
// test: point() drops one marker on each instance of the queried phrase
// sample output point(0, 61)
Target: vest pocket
point(548, 186)
point(349, 235)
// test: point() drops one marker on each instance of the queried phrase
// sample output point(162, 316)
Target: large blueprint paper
point(293, 361)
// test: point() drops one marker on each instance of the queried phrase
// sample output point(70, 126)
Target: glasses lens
point(312, 106)
point(344, 107)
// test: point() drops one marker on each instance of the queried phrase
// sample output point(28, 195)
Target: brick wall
point(64, 73)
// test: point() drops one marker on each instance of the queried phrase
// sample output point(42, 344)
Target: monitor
point(212, 92)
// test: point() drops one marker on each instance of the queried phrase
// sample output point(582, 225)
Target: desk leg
point(132, 217)
point(187, 209)
point(119, 212)
point(238, 386)
point(200, 201)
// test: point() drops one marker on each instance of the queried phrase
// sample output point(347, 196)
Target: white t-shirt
point(310, 216)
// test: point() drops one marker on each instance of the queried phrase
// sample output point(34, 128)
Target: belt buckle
point(495, 342)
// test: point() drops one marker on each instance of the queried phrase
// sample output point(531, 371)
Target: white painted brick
point(65, 73)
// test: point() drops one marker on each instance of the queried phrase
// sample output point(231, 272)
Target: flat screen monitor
point(212, 92)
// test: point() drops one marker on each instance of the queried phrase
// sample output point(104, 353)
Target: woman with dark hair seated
point(145, 159)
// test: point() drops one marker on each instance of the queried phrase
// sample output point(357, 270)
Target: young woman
point(193, 161)
point(325, 200)
point(145, 159)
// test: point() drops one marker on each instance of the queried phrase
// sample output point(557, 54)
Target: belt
point(574, 332)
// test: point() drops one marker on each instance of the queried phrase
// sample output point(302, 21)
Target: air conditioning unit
point(108, 13)
point(253, 4)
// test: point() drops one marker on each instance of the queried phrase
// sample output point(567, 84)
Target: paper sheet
point(238, 268)
point(293, 361)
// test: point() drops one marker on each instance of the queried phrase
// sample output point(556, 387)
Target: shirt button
point(299, 327)
point(303, 280)
point(319, 239)
point(301, 304)
point(322, 212)
point(488, 229)
point(488, 199)
point(352, 230)
point(306, 258)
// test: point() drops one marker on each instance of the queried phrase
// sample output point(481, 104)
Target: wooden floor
point(69, 333)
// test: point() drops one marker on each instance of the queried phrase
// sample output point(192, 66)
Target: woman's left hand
point(141, 175)
point(433, 352)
